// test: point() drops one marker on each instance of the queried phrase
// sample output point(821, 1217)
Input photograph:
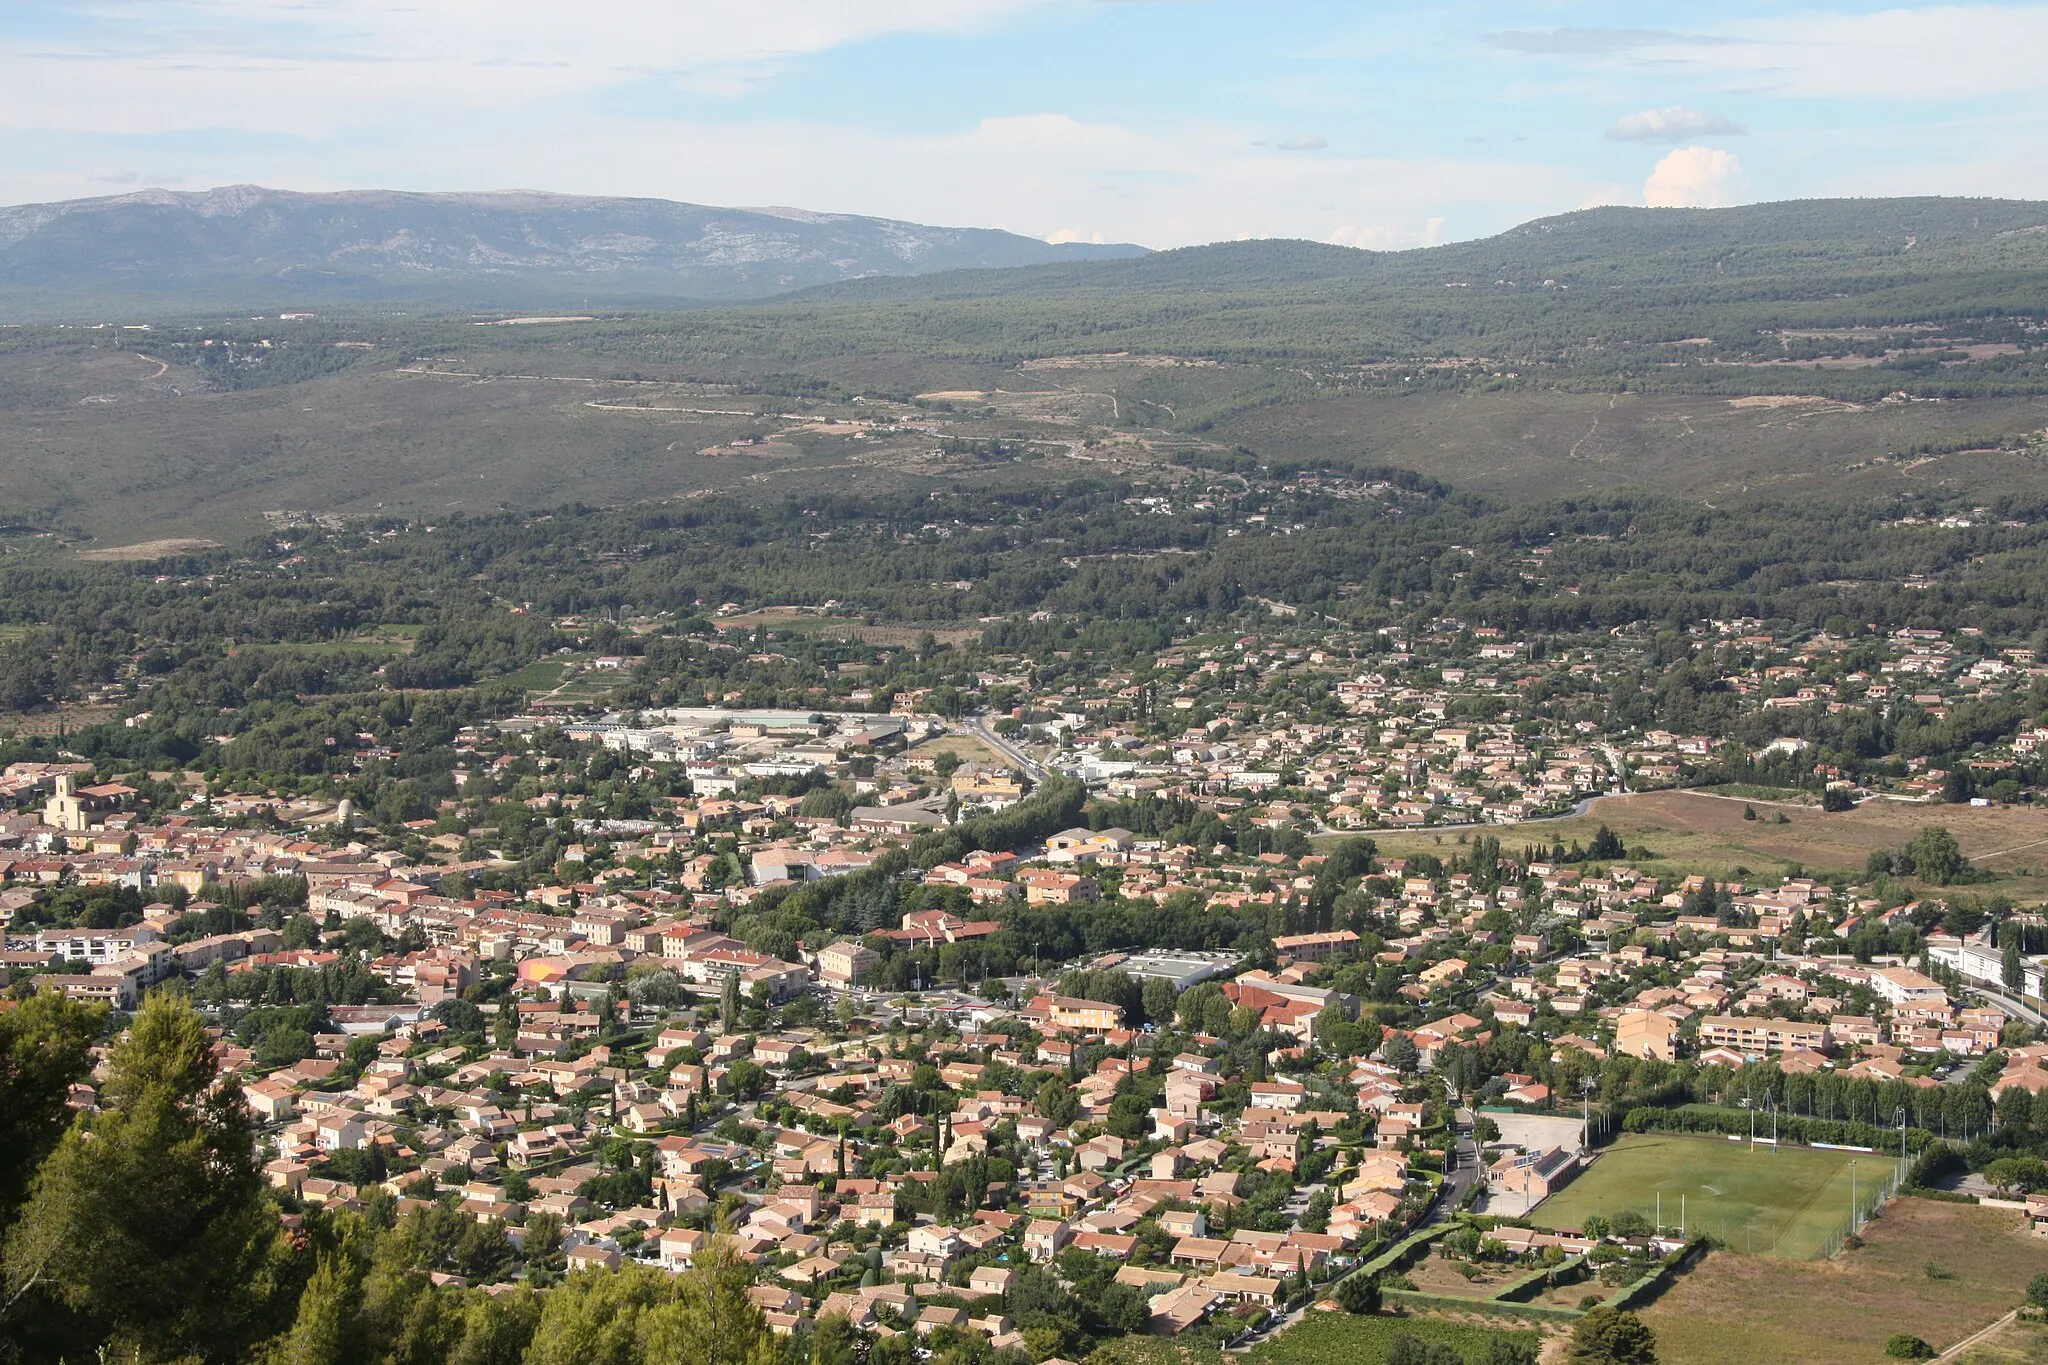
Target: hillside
point(1610, 289)
point(1835, 350)
point(248, 247)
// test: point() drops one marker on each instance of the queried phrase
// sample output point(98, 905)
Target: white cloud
point(1304, 142)
point(313, 67)
point(1696, 178)
point(1673, 124)
point(1951, 51)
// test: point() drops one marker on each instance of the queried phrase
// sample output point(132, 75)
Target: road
point(2010, 1007)
point(978, 726)
point(1465, 1172)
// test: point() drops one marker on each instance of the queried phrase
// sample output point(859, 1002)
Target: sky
point(1163, 122)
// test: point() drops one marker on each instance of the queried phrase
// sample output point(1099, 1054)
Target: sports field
point(1791, 1202)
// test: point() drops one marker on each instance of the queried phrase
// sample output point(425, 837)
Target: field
point(1939, 1271)
point(1554, 444)
point(2015, 1343)
point(1787, 1203)
point(1340, 1339)
point(1697, 832)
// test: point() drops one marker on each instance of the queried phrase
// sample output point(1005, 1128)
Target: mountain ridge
point(246, 245)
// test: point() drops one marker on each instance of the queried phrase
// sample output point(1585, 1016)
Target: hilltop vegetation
point(1829, 349)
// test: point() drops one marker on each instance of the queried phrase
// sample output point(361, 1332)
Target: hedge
point(1401, 1254)
point(1448, 1303)
point(1652, 1284)
point(1539, 1279)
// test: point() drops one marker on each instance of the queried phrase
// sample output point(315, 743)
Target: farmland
point(1341, 1339)
point(1938, 1271)
point(1785, 1203)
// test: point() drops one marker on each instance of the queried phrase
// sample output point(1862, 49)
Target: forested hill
point(1895, 238)
point(1555, 289)
point(245, 246)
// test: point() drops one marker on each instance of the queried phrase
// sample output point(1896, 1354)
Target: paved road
point(2012, 1008)
point(1464, 1173)
point(978, 726)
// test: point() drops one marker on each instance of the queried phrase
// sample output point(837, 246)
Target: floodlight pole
point(1852, 1195)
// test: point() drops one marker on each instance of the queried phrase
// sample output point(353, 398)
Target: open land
point(2014, 1343)
point(1783, 1203)
point(1702, 832)
point(1840, 1311)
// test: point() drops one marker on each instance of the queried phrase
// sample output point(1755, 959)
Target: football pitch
point(1792, 1202)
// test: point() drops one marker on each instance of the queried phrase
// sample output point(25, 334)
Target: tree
point(1123, 1310)
point(1159, 999)
point(1607, 1337)
point(596, 1318)
point(1057, 1103)
point(2037, 1290)
point(148, 1227)
point(44, 1043)
point(2011, 970)
point(1399, 1052)
point(1358, 1294)
point(1906, 1346)
point(834, 1342)
point(710, 1320)
point(660, 989)
point(748, 1080)
point(1936, 857)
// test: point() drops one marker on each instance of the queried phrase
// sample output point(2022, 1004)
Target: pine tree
point(148, 1225)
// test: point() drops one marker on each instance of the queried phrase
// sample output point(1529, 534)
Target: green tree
point(710, 1320)
point(44, 1043)
point(1057, 1103)
point(1358, 1294)
point(1607, 1337)
point(834, 1342)
point(1399, 1052)
point(596, 1317)
point(148, 1227)
point(1936, 857)
point(497, 1329)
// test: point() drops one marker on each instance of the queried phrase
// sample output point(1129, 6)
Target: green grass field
point(1787, 1203)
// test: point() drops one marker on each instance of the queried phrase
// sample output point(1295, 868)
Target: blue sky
point(1162, 122)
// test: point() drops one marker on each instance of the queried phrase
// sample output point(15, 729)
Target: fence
point(1867, 1204)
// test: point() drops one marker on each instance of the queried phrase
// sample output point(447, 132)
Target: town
point(1104, 1012)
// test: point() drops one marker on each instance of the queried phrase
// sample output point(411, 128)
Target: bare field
point(71, 716)
point(1548, 444)
point(1705, 833)
point(143, 551)
point(1839, 1311)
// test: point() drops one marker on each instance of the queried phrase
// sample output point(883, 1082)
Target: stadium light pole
point(1852, 1194)
point(1901, 1117)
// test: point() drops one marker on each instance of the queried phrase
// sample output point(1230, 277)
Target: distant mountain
point(1811, 242)
point(245, 246)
